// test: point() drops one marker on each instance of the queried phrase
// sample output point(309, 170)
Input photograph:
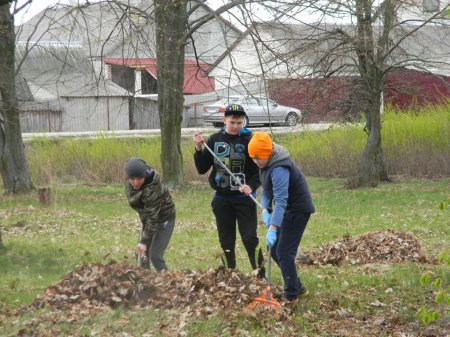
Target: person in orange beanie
point(287, 207)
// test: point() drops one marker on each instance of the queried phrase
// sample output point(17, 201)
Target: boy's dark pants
point(285, 250)
point(227, 211)
point(157, 245)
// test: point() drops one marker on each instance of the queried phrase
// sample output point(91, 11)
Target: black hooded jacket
point(233, 151)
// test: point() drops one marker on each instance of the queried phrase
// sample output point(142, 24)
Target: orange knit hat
point(260, 146)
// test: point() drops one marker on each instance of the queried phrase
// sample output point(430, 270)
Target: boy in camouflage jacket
point(156, 209)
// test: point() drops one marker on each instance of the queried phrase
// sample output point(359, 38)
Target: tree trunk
point(171, 25)
point(13, 165)
point(372, 166)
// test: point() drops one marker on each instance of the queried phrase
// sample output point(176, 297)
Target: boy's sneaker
point(261, 273)
point(303, 292)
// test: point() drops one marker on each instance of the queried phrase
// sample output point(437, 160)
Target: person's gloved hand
point(266, 217)
point(271, 237)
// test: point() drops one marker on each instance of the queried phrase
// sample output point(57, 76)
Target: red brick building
point(333, 98)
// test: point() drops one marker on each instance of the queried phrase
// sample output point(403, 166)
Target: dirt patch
point(378, 246)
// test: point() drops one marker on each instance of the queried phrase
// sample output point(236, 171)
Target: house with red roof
point(139, 75)
point(118, 40)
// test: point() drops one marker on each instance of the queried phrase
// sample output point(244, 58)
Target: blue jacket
point(284, 185)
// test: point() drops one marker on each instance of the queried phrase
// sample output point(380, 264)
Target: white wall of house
point(94, 114)
point(420, 9)
point(242, 64)
point(250, 62)
point(138, 82)
point(40, 121)
point(212, 39)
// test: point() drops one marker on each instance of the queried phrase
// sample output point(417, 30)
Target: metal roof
point(112, 29)
point(53, 71)
point(306, 46)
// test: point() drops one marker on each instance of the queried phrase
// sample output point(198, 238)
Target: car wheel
point(291, 119)
point(246, 122)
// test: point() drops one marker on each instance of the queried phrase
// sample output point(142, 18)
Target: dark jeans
point(285, 250)
point(243, 210)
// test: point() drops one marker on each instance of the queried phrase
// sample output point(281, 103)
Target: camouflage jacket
point(153, 202)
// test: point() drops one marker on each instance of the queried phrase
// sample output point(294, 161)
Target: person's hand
point(140, 249)
point(271, 237)
point(247, 190)
point(198, 140)
point(266, 217)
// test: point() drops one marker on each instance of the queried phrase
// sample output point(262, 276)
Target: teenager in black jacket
point(231, 202)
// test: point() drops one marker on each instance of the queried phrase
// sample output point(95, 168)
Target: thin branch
point(18, 9)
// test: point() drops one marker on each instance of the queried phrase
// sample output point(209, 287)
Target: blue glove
point(266, 217)
point(271, 237)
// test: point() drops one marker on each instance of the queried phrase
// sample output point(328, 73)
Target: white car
point(259, 110)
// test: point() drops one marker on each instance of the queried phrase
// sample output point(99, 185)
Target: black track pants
point(242, 210)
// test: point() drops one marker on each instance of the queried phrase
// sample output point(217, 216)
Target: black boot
point(261, 273)
point(229, 259)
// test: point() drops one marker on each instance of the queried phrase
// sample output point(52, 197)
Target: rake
point(266, 299)
point(139, 257)
point(238, 181)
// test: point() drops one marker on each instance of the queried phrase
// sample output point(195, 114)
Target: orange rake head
point(265, 300)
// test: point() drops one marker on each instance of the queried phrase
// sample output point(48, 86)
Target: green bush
point(415, 145)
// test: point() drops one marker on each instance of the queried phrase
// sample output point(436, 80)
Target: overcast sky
point(38, 5)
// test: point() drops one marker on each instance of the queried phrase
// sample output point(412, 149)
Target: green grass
point(94, 223)
point(415, 145)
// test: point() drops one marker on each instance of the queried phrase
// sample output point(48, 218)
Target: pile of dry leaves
point(371, 247)
point(116, 283)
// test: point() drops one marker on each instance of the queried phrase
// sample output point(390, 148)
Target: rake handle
point(230, 173)
point(139, 259)
point(269, 265)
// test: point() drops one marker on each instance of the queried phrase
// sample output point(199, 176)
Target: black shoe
point(261, 273)
point(303, 292)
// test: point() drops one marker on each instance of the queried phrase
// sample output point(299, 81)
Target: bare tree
point(13, 168)
point(377, 45)
point(173, 31)
point(373, 39)
point(164, 29)
point(367, 47)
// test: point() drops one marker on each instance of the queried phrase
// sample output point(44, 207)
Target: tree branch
point(18, 9)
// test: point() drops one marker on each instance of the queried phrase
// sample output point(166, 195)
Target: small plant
point(441, 305)
point(444, 203)
point(442, 295)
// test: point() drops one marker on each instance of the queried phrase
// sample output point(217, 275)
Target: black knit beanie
point(135, 167)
